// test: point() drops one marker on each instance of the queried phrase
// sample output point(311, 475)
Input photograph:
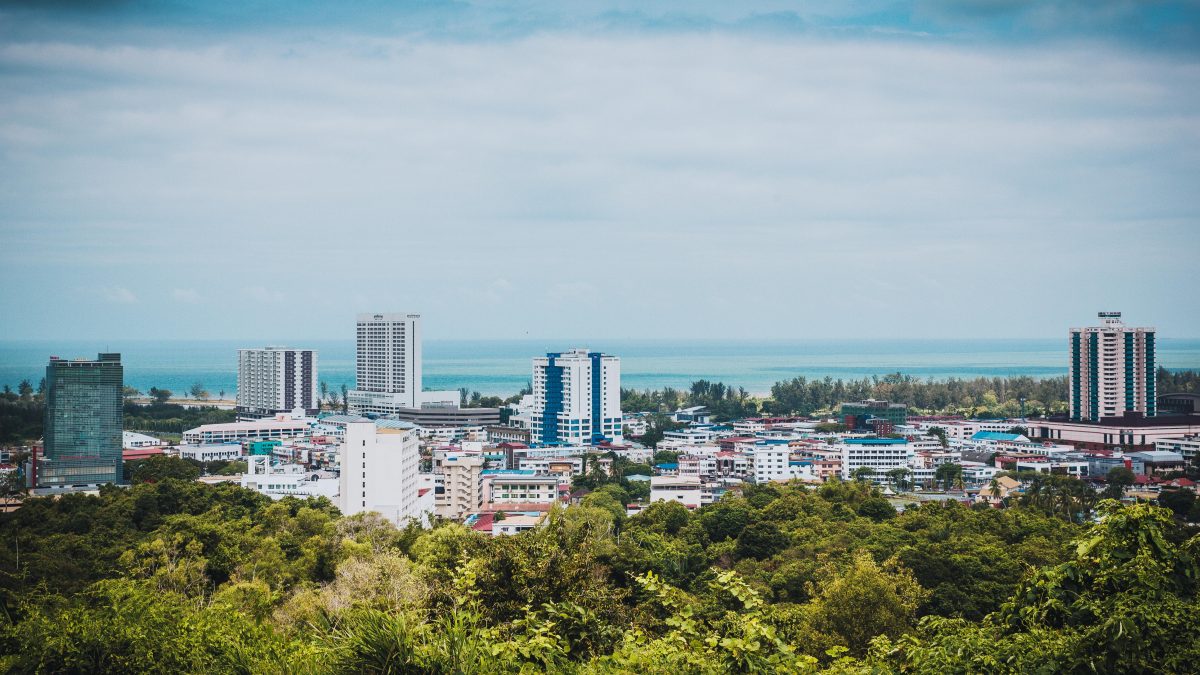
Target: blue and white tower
point(577, 398)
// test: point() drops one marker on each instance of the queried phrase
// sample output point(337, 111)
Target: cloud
point(581, 292)
point(591, 171)
point(188, 295)
point(498, 291)
point(264, 294)
point(118, 294)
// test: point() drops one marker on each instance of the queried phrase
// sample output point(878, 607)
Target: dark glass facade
point(84, 418)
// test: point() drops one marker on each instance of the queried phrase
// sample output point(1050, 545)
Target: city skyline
point(599, 170)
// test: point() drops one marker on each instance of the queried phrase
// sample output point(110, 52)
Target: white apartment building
point(388, 367)
point(576, 398)
point(1111, 370)
point(260, 430)
point(462, 485)
point(274, 380)
point(379, 472)
point(289, 480)
point(770, 463)
point(1187, 446)
point(559, 466)
point(683, 489)
point(520, 487)
point(880, 454)
point(963, 429)
point(693, 436)
point(211, 453)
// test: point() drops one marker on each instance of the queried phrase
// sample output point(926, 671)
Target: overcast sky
point(976, 168)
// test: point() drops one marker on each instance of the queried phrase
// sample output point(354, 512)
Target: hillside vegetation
point(176, 576)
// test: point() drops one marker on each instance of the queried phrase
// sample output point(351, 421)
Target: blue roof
point(509, 472)
point(772, 441)
point(994, 436)
point(667, 465)
point(876, 441)
point(637, 477)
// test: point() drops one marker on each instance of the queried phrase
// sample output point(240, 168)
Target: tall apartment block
point(1112, 370)
point(577, 398)
point(388, 366)
point(274, 380)
point(379, 472)
point(84, 416)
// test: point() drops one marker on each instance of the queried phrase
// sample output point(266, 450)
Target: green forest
point(979, 397)
point(174, 576)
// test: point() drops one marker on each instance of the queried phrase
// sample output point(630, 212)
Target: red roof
point(484, 522)
point(140, 453)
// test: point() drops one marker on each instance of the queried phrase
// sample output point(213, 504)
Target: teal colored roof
point(994, 436)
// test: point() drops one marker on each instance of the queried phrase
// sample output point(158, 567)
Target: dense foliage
point(176, 576)
point(982, 397)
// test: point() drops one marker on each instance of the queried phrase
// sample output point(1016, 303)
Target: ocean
point(502, 367)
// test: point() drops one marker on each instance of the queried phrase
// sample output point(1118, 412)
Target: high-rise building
point(276, 379)
point(388, 367)
point(1112, 370)
point(576, 398)
point(379, 472)
point(84, 417)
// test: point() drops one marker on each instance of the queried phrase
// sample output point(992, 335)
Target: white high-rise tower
point(388, 366)
point(1112, 370)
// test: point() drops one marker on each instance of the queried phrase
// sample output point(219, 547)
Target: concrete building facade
point(388, 366)
point(1111, 370)
point(379, 470)
point(272, 380)
point(576, 398)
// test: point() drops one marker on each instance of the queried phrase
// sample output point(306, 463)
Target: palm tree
point(994, 487)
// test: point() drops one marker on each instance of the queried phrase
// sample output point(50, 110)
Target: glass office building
point(83, 423)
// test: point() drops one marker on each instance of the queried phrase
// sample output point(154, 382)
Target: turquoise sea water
point(503, 366)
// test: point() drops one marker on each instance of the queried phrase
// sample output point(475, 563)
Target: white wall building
point(379, 472)
point(211, 453)
point(289, 480)
point(131, 440)
point(1187, 446)
point(274, 380)
point(260, 430)
point(770, 463)
point(388, 366)
point(1111, 370)
point(682, 489)
point(518, 487)
point(576, 398)
point(880, 454)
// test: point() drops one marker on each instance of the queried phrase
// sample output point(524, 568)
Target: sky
point(598, 169)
